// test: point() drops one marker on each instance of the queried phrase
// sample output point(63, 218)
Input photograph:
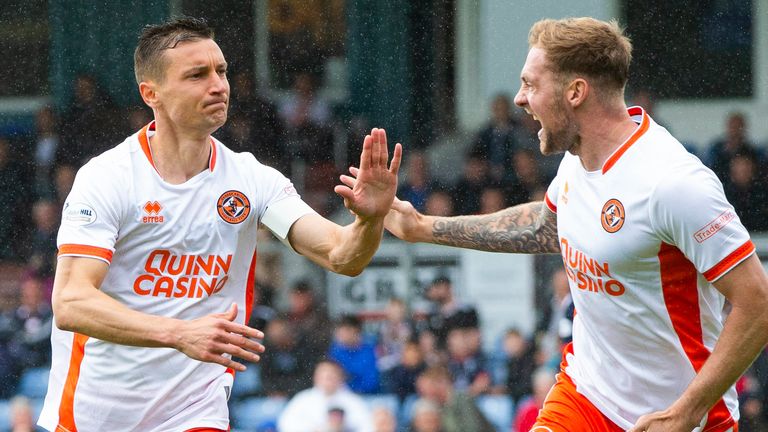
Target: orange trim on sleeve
point(92, 251)
point(66, 407)
point(644, 124)
point(552, 207)
point(730, 261)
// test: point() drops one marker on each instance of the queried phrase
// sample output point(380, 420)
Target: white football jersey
point(182, 251)
point(642, 240)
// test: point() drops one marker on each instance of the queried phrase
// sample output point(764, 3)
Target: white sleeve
point(689, 210)
point(281, 204)
point(90, 218)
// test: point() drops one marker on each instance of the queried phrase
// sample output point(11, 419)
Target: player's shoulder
point(242, 161)
point(111, 166)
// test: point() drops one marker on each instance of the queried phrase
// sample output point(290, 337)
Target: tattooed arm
point(526, 228)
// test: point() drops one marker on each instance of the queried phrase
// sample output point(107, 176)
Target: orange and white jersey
point(642, 240)
point(181, 251)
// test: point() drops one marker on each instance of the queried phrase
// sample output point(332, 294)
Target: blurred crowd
point(431, 362)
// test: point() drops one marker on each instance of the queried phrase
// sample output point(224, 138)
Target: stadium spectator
point(439, 202)
point(46, 141)
point(466, 361)
point(497, 140)
point(429, 348)
point(520, 363)
point(45, 219)
point(735, 140)
point(384, 420)
point(447, 312)
point(285, 366)
point(63, 179)
point(401, 380)
point(458, 411)
point(308, 318)
point(355, 354)
point(308, 410)
point(747, 189)
point(526, 183)
point(91, 123)
point(21, 415)
point(558, 318)
point(475, 177)
point(393, 333)
point(526, 412)
point(258, 128)
point(33, 318)
point(417, 184)
point(12, 198)
point(573, 82)
point(426, 417)
point(492, 199)
point(157, 251)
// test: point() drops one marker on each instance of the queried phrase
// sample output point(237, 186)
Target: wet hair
point(585, 46)
point(148, 59)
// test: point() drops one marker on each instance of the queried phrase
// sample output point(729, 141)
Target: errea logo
point(152, 214)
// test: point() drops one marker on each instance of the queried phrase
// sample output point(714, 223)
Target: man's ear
point(577, 91)
point(148, 92)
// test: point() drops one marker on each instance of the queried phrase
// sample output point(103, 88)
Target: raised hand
point(372, 193)
point(210, 337)
point(403, 221)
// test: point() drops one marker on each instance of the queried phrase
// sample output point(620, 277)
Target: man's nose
point(520, 98)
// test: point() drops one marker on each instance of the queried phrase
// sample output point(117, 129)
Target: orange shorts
point(566, 410)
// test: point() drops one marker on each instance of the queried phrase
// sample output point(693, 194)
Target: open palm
point(370, 195)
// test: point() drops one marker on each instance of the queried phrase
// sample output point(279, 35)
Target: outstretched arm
point(525, 228)
point(348, 249)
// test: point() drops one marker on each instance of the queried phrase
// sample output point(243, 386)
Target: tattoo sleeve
point(527, 228)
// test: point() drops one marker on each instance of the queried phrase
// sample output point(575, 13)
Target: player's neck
point(601, 134)
point(179, 155)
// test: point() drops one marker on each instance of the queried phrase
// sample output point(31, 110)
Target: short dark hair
point(350, 321)
point(148, 61)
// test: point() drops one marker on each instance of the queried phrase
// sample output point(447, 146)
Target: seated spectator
point(427, 417)
point(393, 334)
point(46, 142)
point(356, 356)
point(459, 413)
point(33, 318)
point(308, 410)
point(526, 182)
point(311, 323)
point(497, 140)
point(447, 312)
point(383, 420)
point(466, 361)
point(439, 203)
point(401, 380)
point(264, 136)
point(22, 415)
point(735, 140)
point(45, 217)
point(63, 179)
point(429, 349)
point(747, 190)
point(418, 183)
point(475, 177)
point(12, 198)
point(285, 370)
point(525, 418)
point(303, 104)
point(91, 124)
point(521, 363)
point(492, 199)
